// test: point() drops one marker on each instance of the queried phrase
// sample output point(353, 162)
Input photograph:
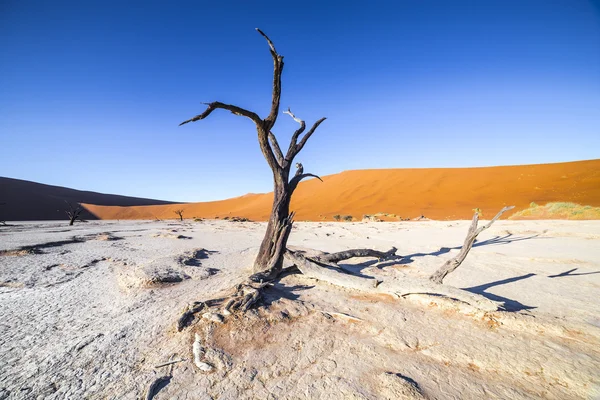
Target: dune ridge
point(437, 193)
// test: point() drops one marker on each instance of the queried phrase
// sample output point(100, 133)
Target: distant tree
point(180, 213)
point(73, 212)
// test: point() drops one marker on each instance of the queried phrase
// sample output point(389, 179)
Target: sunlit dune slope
point(444, 193)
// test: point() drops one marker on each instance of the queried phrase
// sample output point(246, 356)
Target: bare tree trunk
point(72, 220)
point(270, 255)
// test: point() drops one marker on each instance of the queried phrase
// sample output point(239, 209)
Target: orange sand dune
point(437, 193)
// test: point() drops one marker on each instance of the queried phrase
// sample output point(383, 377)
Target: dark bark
point(269, 262)
point(180, 214)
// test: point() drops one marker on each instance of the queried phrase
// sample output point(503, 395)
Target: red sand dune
point(437, 193)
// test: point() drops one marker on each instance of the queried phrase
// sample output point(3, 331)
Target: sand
point(441, 194)
point(87, 312)
point(22, 200)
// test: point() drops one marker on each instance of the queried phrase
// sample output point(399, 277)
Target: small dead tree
point(269, 261)
point(73, 212)
point(180, 213)
point(321, 266)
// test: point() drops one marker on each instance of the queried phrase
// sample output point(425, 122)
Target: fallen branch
point(450, 265)
point(155, 386)
point(402, 287)
point(347, 254)
point(169, 363)
point(331, 314)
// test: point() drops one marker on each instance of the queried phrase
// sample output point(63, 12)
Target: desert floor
point(89, 311)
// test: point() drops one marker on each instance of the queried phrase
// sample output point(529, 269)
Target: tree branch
point(292, 149)
point(346, 254)
point(295, 147)
point(276, 96)
point(296, 180)
point(276, 149)
point(300, 145)
point(453, 263)
point(234, 110)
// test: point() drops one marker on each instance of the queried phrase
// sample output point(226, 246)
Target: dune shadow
point(509, 304)
point(570, 273)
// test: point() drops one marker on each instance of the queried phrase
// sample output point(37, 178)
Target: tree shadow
point(408, 259)
point(509, 304)
point(280, 290)
point(495, 241)
point(569, 273)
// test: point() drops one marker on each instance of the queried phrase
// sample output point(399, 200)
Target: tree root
point(185, 318)
point(247, 294)
point(322, 266)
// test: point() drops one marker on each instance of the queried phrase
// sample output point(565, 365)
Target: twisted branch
point(296, 180)
point(234, 110)
point(307, 136)
point(276, 96)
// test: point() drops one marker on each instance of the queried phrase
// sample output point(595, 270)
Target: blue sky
point(91, 92)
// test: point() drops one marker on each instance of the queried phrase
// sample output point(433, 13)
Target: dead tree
point(73, 212)
point(322, 266)
point(269, 261)
point(180, 213)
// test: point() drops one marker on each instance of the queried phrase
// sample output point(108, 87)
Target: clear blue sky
point(91, 92)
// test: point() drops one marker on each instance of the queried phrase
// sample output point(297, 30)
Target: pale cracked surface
point(87, 312)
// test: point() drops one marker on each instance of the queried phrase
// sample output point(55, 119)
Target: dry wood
point(450, 265)
point(347, 254)
point(199, 352)
point(397, 287)
point(339, 314)
point(169, 363)
point(188, 314)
